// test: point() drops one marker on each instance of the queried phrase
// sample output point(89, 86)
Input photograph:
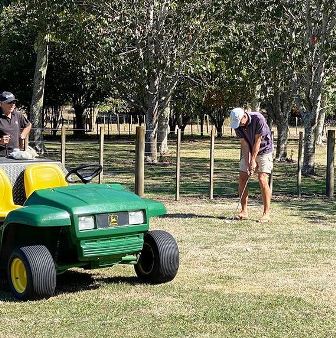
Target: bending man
point(256, 155)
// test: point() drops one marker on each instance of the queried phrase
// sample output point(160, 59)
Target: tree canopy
point(208, 55)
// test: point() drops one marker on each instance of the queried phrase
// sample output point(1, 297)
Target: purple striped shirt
point(256, 125)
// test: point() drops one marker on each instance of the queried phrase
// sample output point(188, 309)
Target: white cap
point(235, 117)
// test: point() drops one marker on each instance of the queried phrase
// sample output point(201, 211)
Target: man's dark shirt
point(12, 126)
point(256, 125)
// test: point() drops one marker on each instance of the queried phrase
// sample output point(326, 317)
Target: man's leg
point(266, 196)
point(243, 177)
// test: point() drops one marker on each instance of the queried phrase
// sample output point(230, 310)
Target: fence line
point(206, 171)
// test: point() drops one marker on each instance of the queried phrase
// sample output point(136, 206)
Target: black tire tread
point(167, 257)
point(41, 272)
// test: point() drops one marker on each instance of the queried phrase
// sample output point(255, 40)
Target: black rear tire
point(31, 273)
point(159, 258)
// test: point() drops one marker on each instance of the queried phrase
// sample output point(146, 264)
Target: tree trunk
point(219, 128)
point(314, 79)
point(36, 107)
point(163, 129)
point(255, 102)
point(308, 167)
point(281, 150)
point(151, 133)
point(202, 123)
point(281, 113)
point(55, 119)
point(319, 128)
point(80, 125)
point(310, 119)
point(152, 93)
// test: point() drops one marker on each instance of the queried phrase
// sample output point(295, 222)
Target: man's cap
point(7, 97)
point(235, 117)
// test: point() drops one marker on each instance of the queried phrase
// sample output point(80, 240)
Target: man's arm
point(245, 149)
point(255, 151)
point(25, 131)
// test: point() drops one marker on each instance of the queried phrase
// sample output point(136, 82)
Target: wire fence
point(119, 159)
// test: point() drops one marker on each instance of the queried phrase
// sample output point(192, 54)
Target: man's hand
point(5, 139)
point(252, 167)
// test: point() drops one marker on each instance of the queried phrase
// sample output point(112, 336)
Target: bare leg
point(266, 196)
point(243, 177)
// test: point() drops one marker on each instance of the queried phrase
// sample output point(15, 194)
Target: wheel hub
point(18, 275)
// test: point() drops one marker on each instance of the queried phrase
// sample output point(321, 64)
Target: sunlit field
point(236, 278)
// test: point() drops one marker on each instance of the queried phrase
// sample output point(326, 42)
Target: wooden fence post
point(330, 164)
point(178, 164)
point(101, 152)
point(212, 162)
point(118, 124)
point(63, 133)
point(130, 125)
point(140, 161)
point(299, 167)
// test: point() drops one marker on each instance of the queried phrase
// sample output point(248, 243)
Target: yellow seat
point(6, 196)
point(43, 176)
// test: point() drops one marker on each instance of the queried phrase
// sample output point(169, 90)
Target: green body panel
point(61, 208)
point(94, 199)
point(155, 208)
point(39, 216)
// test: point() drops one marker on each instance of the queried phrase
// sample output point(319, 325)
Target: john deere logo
point(112, 220)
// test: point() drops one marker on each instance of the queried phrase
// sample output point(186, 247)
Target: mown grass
point(236, 279)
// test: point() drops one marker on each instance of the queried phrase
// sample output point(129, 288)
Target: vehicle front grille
point(112, 246)
point(111, 219)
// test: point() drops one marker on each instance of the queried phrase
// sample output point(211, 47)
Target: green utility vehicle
point(61, 226)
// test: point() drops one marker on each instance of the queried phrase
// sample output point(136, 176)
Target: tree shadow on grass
point(130, 280)
point(5, 294)
point(73, 281)
point(192, 215)
point(182, 215)
point(311, 208)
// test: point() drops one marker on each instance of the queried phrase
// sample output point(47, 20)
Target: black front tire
point(159, 258)
point(31, 273)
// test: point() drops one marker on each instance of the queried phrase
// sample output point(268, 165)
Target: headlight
point(86, 222)
point(136, 217)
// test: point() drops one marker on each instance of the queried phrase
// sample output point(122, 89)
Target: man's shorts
point(264, 164)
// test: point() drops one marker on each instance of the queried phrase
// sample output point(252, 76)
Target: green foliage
point(219, 53)
point(16, 56)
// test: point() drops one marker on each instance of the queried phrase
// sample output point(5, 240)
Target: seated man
point(14, 127)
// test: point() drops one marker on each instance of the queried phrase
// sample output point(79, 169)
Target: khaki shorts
point(264, 164)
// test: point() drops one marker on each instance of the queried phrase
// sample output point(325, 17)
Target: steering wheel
point(85, 173)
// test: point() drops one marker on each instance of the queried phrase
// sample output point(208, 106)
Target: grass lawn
point(236, 279)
